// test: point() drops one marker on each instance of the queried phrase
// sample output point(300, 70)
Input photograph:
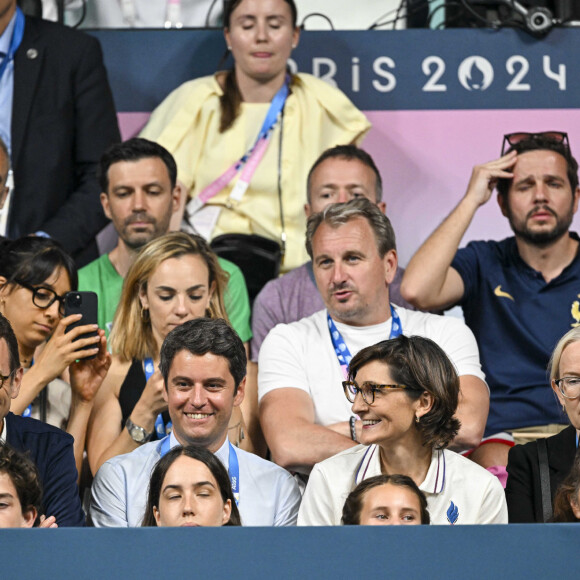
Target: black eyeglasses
point(367, 390)
point(569, 387)
point(43, 297)
point(4, 378)
point(512, 139)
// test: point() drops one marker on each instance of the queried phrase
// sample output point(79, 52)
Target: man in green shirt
point(139, 195)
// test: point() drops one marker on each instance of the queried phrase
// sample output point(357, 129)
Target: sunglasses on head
point(512, 139)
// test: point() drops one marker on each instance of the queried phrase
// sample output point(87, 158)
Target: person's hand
point(86, 376)
point(49, 522)
point(151, 402)
point(484, 177)
point(62, 349)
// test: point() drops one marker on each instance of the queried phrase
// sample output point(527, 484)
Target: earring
point(293, 46)
point(229, 48)
point(145, 314)
point(417, 419)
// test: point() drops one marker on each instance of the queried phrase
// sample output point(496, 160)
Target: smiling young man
point(304, 413)
point(203, 363)
point(518, 295)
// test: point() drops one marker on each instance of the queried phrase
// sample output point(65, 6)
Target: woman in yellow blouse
point(211, 123)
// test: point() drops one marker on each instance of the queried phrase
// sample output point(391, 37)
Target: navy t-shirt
point(517, 319)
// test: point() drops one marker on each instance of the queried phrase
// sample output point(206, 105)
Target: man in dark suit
point(62, 119)
point(50, 448)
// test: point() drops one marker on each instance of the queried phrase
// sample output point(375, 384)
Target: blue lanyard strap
point(160, 427)
point(341, 349)
point(15, 42)
point(234, 473)
point(28, 411)
point(275, 109)
point(233, 467)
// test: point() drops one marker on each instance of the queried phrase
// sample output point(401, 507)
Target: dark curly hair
point(25, 477)
point(421, 365)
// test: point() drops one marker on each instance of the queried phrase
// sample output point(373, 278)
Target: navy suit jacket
point(52, 451)
point(523, 490)
point(63, 118)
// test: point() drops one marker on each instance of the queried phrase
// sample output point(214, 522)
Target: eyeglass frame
point(558, 383)
point(35, 289)
point(375, 388)
point(563, 140)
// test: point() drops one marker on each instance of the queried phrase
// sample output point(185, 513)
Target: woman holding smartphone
point(35, 275)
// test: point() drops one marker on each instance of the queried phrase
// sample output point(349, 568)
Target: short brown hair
point(338, 214)
point(25, 477)
point(354, 502)
point(421, 365)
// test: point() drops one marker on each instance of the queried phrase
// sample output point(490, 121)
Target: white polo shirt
point(301, 355)
point(458, 491)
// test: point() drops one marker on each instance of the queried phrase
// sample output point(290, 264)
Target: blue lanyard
point(275, 108)
point(274, 111)
point(15, 42)
point(233, 467)
point(342, 351)
point(28, 411)
point(160, 428)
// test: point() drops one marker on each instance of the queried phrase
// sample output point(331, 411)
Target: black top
point(523, 491)
point(131, 391)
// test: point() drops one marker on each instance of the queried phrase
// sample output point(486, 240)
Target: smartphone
point(87, 304)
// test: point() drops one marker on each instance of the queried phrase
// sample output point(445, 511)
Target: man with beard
point(518, 295)
point(138, 181)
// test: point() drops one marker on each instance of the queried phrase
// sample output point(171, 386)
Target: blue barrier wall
point(437, 552)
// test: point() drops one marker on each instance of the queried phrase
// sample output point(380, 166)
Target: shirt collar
point(223, 453)
point(435, 480)
point(6, 37)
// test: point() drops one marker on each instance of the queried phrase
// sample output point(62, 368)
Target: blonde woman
point(175, 278)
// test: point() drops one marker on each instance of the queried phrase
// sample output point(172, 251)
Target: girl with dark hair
point(567, 499)
point(385, 500)
point(35, 275)
point(190, 487)
point(405, 391)
point(260, 113)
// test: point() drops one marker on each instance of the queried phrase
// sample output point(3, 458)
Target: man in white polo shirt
point(304, 414)
point(203, 363)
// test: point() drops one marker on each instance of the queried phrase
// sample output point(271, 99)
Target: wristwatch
point(138, 434)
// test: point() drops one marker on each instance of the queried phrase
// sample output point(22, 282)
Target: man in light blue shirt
point(203, 363)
